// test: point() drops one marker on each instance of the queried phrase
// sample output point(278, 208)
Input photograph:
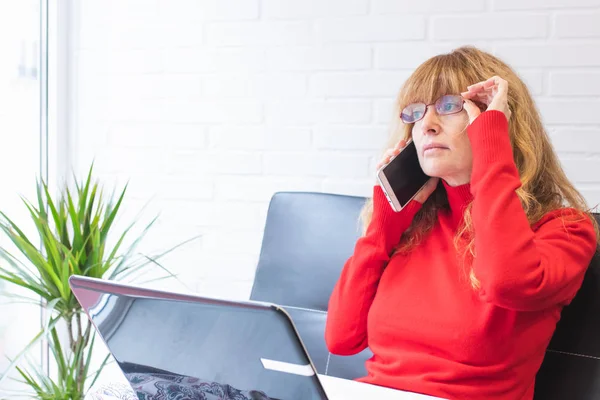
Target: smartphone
point(402, 178)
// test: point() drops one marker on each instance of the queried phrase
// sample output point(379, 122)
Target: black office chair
point(307, 239)
point(309, 236)
point(571, 367)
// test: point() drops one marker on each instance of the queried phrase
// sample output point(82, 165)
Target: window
point(20, 140)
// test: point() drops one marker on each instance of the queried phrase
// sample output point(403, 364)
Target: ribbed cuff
point(490, 140)
point(492, 152)
point(387, 223)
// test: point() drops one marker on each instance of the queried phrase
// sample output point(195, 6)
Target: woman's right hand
point(427, 189)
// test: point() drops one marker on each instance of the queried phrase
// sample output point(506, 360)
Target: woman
point(458, 294)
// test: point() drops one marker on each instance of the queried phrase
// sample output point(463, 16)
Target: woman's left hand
point(492, 92)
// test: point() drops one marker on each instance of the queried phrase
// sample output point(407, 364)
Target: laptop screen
point(198, 348)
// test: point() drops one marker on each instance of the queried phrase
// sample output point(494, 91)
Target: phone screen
point(404, 174)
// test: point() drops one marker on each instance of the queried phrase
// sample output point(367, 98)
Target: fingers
point(492, 92)
point(427, 190)
point(499, 83)
point(401, 144)
point(472, 110)
point(390, 153)
point(431, 185)
point(493, 83)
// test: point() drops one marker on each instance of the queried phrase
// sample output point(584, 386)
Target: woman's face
point(443, 146)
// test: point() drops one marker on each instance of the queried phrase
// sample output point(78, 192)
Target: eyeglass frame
point(430, 104)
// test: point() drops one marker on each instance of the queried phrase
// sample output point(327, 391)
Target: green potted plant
point(74, 232)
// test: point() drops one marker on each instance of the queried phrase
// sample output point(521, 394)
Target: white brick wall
point(210, 106)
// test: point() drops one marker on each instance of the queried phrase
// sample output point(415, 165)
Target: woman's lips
point(434, 147)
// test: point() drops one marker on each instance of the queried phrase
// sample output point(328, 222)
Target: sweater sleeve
point(520, 267)
point(353, 294)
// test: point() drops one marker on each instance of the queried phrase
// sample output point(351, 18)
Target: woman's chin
point(434, 171)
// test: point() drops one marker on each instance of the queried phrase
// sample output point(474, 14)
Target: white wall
point(210, 106)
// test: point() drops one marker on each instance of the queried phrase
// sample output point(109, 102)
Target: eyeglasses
point(445, 105)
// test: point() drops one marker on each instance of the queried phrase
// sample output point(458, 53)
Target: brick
point(550, 55)
point(576, 112)
point(240, 59)
point(329, 57)
point(346, 112)
point(577, 25)
point(367, 84)
point(302, 112)
point(208, 10)
point(215, 214)
point(292, 112)
point(189, 60)
point(542, 4)
point(265, 86)
point(490, 26)
point(259, 138)
point(117, 159)
point(186, 188)
point(258, 33)
point(121, 36)
point(572, 83)
point(96, 135)
point(134, 86)
point(592, 197)
point(385, 111)
point(183, 10)
point(581, 170)
point(153, 86)
point(123, 109)
point(180, 86)
point(372, 28)
point(179, 33)
point(229, 85)
point(406, 55)
point(135, 61)
point(213, 111)
point(136, 11)
point(261, 189)
point(163, 136)
point(442, 47)
point(138, 61)
point(350, 138)
point(227, 266)
point(425, 6)
point(190, 136)
point(534, 81)
point(290, 9)
point(201, 163)
point(575, 140)
point(331, 165)
point(247, 241)
point(232, 9)
point(275, 84)
point(350, 187)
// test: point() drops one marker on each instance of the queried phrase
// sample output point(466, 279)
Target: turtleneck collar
point(459, 198)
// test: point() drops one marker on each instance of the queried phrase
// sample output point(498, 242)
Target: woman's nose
point(430, 123)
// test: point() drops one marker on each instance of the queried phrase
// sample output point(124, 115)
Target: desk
point(343, 389)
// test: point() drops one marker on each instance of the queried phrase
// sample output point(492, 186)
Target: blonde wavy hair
point(544, 185)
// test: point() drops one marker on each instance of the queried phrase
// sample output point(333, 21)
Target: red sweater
point(429, 330)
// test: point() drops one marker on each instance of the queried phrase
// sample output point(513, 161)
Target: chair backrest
point(309, 236)
point(571, 367)
point(307, 239)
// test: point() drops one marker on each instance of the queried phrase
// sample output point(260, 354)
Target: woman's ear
point(472, 110)
point(480, 105)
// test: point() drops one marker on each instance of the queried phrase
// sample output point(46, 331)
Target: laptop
point(197, 347)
